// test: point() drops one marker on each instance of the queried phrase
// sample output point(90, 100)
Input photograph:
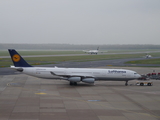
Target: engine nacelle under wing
point(74, 79)
point(88, 80)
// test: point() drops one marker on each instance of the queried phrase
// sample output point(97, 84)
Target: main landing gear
point(73, 83)
point(126, 83)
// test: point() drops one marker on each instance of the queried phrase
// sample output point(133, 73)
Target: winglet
point(17, 60)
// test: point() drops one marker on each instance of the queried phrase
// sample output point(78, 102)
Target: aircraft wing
point(83, 76)
point(86, 51)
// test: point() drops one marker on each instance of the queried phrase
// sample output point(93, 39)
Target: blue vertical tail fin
point(17, 60)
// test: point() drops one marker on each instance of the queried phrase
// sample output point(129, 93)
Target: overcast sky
point(80, 21)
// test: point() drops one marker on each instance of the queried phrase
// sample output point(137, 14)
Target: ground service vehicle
point(144, 83)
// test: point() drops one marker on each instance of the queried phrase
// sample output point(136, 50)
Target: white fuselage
point(97, 74)
point(92, 51)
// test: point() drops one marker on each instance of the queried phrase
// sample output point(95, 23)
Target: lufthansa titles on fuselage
point(116, 71)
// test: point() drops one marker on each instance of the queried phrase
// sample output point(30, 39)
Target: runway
point(106, 53)
point(24, 97)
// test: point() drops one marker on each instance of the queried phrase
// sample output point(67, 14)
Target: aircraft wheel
point(141, 84)
point(71, 83)
point(126, 83)
point(75, 83)
point(149, 84)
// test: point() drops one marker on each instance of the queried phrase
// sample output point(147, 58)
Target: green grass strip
point(147, 61)
point(6, 62)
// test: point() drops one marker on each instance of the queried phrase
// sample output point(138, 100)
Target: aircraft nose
point(138, 76)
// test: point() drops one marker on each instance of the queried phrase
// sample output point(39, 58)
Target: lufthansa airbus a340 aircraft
point(73, 75)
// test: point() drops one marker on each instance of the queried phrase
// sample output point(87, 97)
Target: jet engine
point(74, 79)
point(88, 80)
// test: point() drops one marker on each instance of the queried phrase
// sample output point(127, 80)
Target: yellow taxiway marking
point(40, 93)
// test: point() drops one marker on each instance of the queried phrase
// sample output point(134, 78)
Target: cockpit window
point(135, 73)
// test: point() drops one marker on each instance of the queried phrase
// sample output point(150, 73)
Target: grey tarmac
point(23, 97)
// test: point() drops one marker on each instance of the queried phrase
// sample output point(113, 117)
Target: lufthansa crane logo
point(16, 58)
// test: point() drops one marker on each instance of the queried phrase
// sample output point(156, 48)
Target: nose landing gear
point(126, 83)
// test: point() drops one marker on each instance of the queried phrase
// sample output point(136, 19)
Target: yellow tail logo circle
point(16, 58)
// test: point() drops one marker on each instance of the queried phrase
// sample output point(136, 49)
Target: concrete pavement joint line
point(18, 95)
point(40, 93)
point(96, 103)
point(141, 92)
point(146, 114)
point(10, 83)
point(144, 108)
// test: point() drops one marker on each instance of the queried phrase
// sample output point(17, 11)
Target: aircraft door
point(124, 75)
point(128, 74)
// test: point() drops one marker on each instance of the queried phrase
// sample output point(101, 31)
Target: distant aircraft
point(148, 56)
point(91, 51)
point(73, 75)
